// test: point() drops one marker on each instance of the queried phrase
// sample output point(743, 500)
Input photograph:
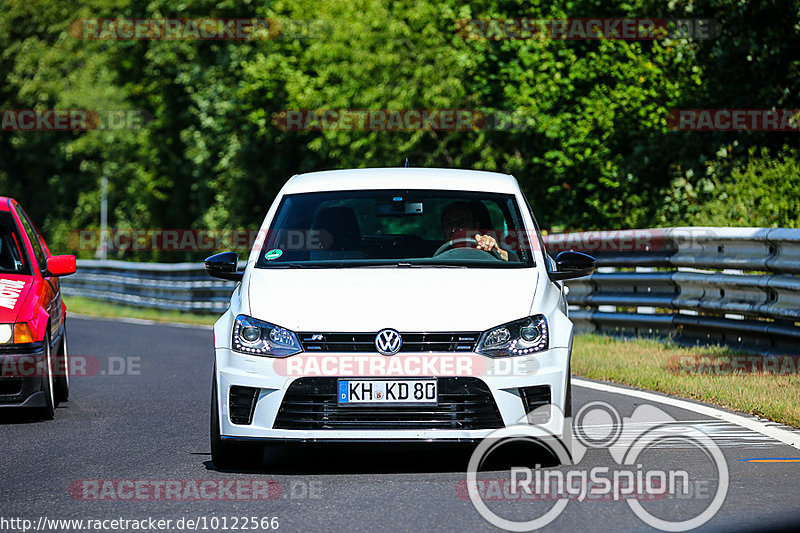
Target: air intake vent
point(242, 404)
point(10, 386)
point(533, 398)
point(464, 403)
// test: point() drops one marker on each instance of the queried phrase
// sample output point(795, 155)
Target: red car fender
point(34, 309)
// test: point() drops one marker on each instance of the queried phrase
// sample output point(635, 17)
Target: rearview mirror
point(61, 265)
point(571, 265)
point(398, 208)
point(223, 266)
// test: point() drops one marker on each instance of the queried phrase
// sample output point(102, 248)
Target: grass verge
point(666, 367)
point(96, 308)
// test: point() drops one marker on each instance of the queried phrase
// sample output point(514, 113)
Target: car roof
point(5, 203)
point(402, 178)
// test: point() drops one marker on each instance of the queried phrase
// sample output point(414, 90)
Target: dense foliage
point(596, 151)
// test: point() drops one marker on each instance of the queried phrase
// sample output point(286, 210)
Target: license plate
point(388, 391)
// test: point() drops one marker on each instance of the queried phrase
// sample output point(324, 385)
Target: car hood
point(405, 299)
point(13, 291)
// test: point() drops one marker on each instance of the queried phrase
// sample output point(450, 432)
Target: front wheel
point(230, 455)
point(48, 411)
point(61, 381)
point(568, 401)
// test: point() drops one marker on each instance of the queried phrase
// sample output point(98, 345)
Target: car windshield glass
point(12, 254)
point(397, 228)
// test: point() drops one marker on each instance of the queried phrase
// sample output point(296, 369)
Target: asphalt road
point(144, 414)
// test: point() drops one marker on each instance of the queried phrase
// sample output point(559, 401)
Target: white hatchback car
point(399, 304)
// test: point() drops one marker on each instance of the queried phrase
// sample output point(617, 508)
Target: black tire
point(48, 411)
point(568, 415)
point(61, 381)
point(568, 401)
point(230, 455)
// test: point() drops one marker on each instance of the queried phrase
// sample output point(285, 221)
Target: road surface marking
point(786, 437)
point(773, 460)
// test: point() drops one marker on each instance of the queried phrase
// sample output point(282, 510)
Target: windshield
point(12, 254)
point(396, 228)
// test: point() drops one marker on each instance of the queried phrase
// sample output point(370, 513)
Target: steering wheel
point(449, 245)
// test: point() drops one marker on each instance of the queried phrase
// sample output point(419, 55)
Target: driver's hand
point(488, 243)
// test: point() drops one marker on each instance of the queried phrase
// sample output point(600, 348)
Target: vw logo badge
point(388, 341)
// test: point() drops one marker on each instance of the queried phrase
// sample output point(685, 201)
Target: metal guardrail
point(737, 286)
point(172, 286)
point(734, 286)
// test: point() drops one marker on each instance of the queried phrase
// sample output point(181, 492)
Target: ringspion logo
point(653, 485)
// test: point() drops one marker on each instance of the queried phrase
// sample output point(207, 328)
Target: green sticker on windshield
point(273, 254)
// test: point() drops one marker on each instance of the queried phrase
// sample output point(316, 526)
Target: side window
point(13, 258)
point(41, 258)
point(547, 259)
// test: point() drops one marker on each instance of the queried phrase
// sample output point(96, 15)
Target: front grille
point(534, 398)
point(26, 348)
point(412, 342)
point(464, 403)
point(242, 404)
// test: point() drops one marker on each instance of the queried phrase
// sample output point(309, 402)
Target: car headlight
point(520, 337)
point(256, 337)
point(18, 333)
point(6, 333)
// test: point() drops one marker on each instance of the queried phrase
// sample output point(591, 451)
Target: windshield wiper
point(404, 264)
point(399, 264)
point(378, 265)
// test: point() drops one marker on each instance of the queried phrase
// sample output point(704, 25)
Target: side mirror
point(224, 266)
point(570, 265)
point(61, 265)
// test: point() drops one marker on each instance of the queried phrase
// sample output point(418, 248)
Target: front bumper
point(21, 370)
point(502, 378)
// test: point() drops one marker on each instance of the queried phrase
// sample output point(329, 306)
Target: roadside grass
point(100, 309)
point(669, 368)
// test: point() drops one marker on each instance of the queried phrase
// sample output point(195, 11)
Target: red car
point(33, 337)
